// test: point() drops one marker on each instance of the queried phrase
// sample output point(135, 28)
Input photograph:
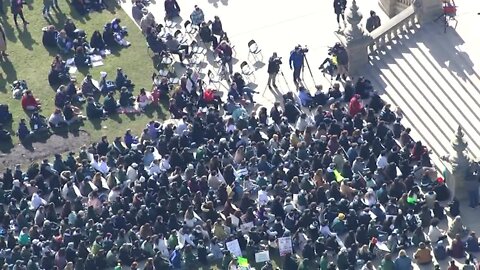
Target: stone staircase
point(427, 74)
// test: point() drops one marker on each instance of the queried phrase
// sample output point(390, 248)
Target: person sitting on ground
point(117, 28)
point(81, 58)
point(364, 88)
point(457, 248)
point(434, 233)
point(89, 88)
point(105, 85)
point(108, 36)
point(126, 99)
point(29, 102)
point(423, 255)
point(172, 9)
point(59, 71)
point(96, 41)
point(72, 114)
point(94, 110)
point(197, 16)
point(144, 99)
point(63, 42)
point(110, 104)
point(38, 122)
point(304, 96)
point(456, 227)
point(439, 251)
point(5, 136)
point(49, 37)
point(122, 80)
point(403, 262)
point(355, 106)
point(23, 132)
point(452, 266)
point(471, 244)
point(57, 119)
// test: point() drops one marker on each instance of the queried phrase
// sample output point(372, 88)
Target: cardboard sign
point(234, 248)
point(263, 256)
point(245, 228)
point(285, 245)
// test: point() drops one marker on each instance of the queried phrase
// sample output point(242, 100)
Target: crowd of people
point(335, 172)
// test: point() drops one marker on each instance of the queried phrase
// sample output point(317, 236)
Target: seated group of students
point(73, 39)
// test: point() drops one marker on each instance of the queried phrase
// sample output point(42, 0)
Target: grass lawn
point(29, 60)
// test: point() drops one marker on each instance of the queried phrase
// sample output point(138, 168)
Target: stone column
point(459, 166)
point(427, 10)
point(356, 40)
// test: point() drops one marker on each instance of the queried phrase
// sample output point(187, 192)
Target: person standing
point(339, 7)
point(3, 42)
point(273, 69)
point(296, 63)
point(373, 22)
point(17, 10)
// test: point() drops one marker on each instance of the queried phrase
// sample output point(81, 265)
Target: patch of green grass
point(29, 60)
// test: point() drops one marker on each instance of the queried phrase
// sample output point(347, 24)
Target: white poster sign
point(262, 256)
point(234, 248)
point(285, 245)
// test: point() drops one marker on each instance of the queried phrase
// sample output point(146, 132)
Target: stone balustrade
point(393, 7)
point(388, 31)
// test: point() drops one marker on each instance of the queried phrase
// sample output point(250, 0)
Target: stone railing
point(405, 2)
point(405, 20)
point(394, 7)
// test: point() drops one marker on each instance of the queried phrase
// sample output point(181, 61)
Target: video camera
point(336, 49)
point(277, 60)
point(303, 49)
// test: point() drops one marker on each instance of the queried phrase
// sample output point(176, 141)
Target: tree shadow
point(9, 71)
point(26, 38)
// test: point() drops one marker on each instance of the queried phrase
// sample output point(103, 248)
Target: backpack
point(18, 87)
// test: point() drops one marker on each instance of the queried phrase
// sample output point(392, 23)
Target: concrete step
point(434, 82)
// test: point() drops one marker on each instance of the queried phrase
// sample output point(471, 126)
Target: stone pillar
point(427, 10)
point(356, 41)
point(459, 166)
point(388, 6)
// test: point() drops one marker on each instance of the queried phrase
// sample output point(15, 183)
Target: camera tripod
point(309, 69)
point(286, 82)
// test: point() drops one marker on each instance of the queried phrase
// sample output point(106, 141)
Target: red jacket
point(28, 101)
point(355, 106)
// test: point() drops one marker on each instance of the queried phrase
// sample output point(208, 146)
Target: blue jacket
point(403, 263)
point(305, 97)
point(296, 58)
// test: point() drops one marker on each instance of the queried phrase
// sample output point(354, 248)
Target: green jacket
point(387, 265)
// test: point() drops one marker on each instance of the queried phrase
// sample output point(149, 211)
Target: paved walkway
point(277, 26)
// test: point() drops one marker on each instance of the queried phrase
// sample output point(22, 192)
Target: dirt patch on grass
point(25, 154)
